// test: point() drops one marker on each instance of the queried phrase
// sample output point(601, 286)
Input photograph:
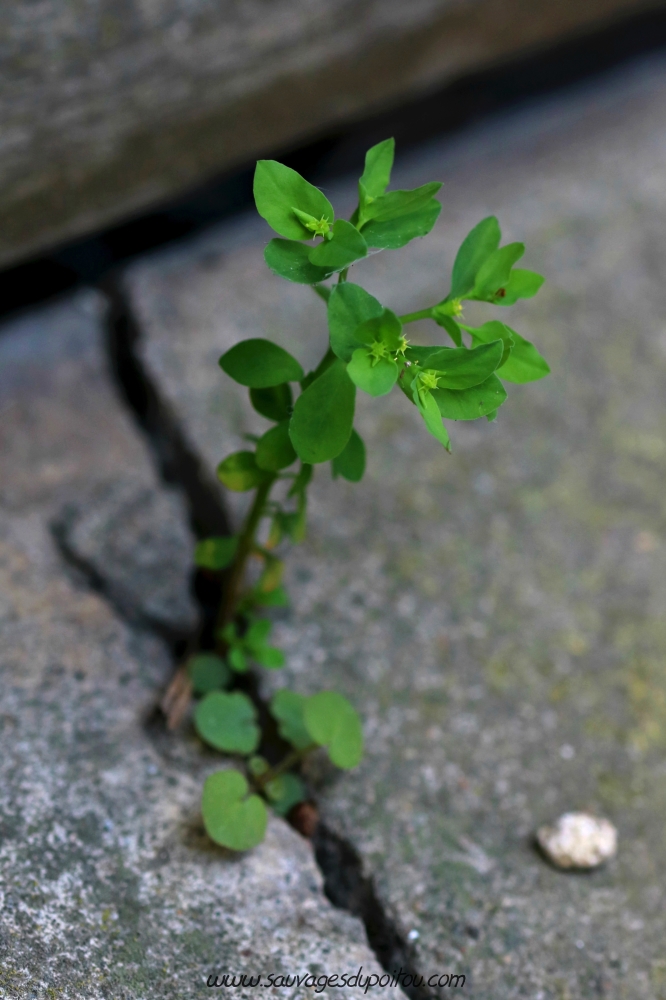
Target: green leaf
point(525, 364)
point(228, 722)
point(215, 553)
point(397, 233)
point(275, 450)
point(432, 417)
point(207, 672)
point(230, 818)
point(385, 329)
point(495, 271)
point(237, 660)
point(397, 204)
point(348, 307)
point(475, 249)
point(274, 403)
point(346, 246)
point(287, 709)
point(378, 164)
point(260, 364)
point(521, 285)
point(490, 332)
point(350, 463)
point(257, 766)
point(451, 327)
point(470, 404)
point(374, 376)
point(291, 260)
point(321, 423)
point(239, 472)
point(285, 792)
point(460, 368)
point(258, 632)
point(269, 657)
point(333, 723)
point(277, 598)
point(278, 190)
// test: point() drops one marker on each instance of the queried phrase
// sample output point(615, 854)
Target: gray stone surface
point(109, 107)
point(109, 888)
point(498, 614)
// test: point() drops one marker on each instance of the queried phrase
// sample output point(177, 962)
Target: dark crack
point(345, 883)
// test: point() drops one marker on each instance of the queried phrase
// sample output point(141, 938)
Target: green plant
point(368, 350)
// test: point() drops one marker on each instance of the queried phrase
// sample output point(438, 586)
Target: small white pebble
point(413, 935)
point(578, 840)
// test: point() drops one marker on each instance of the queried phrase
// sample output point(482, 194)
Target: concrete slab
point(496, 615)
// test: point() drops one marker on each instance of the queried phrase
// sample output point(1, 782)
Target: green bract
point(311, 421)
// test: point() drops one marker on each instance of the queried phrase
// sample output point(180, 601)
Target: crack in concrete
point(345, 883)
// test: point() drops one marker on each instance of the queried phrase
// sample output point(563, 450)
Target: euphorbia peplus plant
point(311, 418)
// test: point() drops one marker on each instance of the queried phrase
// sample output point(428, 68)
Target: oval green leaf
point(230, 818)
point(333, 723)
point(215, 553)
point(475, 249)
point(460, 368)
point(291, 260)
point(278, 190)
point(239, 472)
point(260, 364)
point(397, 204)
point(274, 403)
point(275, 450)
point(207, 672)
point(349, 306)
point(470, 404)
point(227, 722)
point(323, 416)
point(495, 271)
point(346, 246)
point(287, 709)
point(377, 378)
point(350, 463)
point(397, 233)
point(525, 364)
point(378, 164)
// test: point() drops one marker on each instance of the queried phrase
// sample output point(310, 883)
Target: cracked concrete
point(497, 616)
point(109, 888)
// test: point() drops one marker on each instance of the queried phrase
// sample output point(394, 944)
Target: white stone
point(578, 840)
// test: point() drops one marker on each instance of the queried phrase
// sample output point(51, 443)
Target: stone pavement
point(109, 888)
point(498, 615)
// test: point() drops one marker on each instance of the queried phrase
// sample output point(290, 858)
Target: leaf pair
point(252, 645)
point(325, 719)
point(484, 271)
point(366, 336)
point(520, 363)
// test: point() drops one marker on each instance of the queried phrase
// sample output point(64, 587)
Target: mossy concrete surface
point(108, 108)
point(499, 615)
point(109, 887)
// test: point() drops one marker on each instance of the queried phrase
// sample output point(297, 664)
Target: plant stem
point(285, 765)
point(412, 317)
point(245, 544)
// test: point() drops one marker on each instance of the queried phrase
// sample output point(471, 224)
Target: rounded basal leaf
point(350, 463)
point(333, 723)
point(215, 553)
point(231, 818)
point(275, 450)
point(470, 404)
point(524, 364)
point(397, 233)
point(459, 368)
point(287, 709)
point(278, 190)
point(227, 722)
point(346, 246)
point(274, 403)
point(291, 260)
point(349, 306)
point(475, 249)
point(239, 472)
point(285, 792)
point(207, 672)
point(237, 659)
point(321, 423)
point(374, 376)
point(260, 364)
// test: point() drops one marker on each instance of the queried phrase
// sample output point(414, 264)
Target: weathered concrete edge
point(292, 108)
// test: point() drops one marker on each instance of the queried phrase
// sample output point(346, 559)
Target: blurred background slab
point(109, 107)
